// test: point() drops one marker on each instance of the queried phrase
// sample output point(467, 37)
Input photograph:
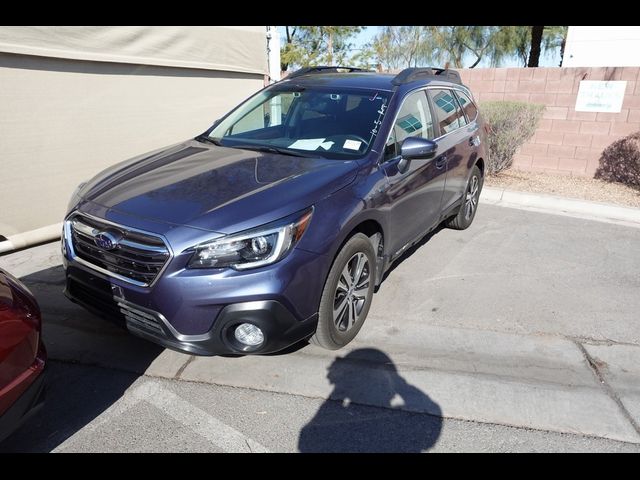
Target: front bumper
point(209, 319)
point(278, 325)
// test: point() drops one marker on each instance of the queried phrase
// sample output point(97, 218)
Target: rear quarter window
point(467, 105)
point(447, 110)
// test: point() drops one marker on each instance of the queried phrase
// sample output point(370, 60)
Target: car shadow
point(372, 408)
point(410, 251)
point(77, 394)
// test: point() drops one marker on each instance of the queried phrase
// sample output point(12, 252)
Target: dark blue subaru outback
point(277, 223)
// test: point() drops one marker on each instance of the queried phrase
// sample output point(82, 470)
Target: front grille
point(136, 257)
point(142, 320)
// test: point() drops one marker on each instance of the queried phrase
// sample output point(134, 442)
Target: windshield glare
point(337, 124)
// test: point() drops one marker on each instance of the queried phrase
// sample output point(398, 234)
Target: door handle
point(441, 161)
point(472, 142)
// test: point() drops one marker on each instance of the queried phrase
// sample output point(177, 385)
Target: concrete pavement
point(524, 320)
point(92, 409)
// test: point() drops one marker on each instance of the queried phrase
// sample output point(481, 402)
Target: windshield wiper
point(206, 139)
point(259, 148)
point(280, 150)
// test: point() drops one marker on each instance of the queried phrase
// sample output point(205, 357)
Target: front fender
point(336, 217)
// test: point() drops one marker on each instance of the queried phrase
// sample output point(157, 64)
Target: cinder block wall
point(566, 141)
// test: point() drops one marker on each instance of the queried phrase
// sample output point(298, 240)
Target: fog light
point(248, 334)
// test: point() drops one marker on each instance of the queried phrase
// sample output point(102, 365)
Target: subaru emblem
point(107, 240)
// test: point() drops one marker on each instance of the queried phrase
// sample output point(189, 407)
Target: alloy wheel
point(351, 292)
point(471, 199)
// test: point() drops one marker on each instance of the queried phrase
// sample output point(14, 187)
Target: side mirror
point(416, 148)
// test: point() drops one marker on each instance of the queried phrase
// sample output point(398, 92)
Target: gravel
point(583, 188)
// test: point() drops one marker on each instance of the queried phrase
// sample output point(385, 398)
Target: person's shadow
point(404, 419)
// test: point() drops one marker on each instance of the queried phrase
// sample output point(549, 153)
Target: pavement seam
point(606, 387)
point(253, 389)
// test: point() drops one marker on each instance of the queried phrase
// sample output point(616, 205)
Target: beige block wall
point(566, 141)
point(62, 121)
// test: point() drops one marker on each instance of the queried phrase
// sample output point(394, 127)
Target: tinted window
point(448, 111)
point(467, 105)
point(413, 120)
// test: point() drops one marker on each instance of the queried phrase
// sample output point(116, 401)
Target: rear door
point(414, 189)
point(453, 141)
point(460, 174)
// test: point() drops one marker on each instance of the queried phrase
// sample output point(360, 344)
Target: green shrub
point(620, 161)
point(510, 124)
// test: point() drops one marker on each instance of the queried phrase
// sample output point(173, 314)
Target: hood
point(215, 188)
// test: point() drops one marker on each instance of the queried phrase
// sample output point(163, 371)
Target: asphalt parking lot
point(518, 334)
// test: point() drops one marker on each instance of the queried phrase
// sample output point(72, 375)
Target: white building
point(589, 46)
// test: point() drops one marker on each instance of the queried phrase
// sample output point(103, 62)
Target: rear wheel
point(469, 206)
point(347, 294)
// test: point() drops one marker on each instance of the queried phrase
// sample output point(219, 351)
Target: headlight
point(252, 248)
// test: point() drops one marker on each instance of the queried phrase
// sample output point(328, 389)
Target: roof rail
point(324, 69)
point(410, 74)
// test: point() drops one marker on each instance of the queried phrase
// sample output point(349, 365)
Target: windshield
point(332, 123)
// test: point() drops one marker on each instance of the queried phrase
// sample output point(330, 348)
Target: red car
point(22, 355)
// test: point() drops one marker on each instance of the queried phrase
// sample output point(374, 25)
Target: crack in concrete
point(596, 369)
point(603, 342)
point(183, 367)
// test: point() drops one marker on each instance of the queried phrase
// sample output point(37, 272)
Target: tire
point(464, 218)
point(335, 330)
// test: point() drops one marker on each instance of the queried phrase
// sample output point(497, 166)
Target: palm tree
point(536, 46)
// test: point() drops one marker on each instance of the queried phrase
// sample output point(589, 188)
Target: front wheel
point(469, 206)
point(347, 294)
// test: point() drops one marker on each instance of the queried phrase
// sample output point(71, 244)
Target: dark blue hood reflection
point(217, 188)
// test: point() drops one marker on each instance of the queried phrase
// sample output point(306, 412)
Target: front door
point(414, 189)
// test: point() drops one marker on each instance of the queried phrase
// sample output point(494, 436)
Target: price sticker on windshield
point(351, 145)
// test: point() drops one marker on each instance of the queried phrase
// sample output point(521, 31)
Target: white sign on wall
point(600, 96)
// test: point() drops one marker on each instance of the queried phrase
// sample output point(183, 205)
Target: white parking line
point(218, 433)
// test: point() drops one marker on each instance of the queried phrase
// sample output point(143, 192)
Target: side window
point(462, 120)
point(390, 147)
point(277, 109)
point(448, 111)
point(467, 105)
point(254, 120)
point(271, 113)
point(414, 120)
